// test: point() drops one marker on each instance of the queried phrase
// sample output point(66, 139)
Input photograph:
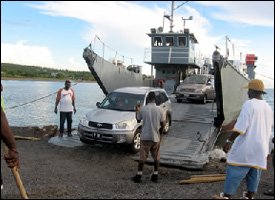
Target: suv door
point(163, 101)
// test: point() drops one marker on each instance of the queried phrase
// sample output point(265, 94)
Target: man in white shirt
point(250, 143)
point(66, 98)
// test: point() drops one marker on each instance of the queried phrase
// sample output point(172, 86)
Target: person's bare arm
point(57, 101)
point(11, 156)
point(73, 102)
point(138, 115)
point(229, 128)
point(6, 133)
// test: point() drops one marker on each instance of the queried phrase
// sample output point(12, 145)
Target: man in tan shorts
point(153, 120)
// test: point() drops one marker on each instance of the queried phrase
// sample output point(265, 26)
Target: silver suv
point(114, 119)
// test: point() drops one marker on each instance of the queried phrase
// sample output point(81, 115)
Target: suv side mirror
point(97, 104)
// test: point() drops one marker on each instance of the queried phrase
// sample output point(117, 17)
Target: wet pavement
point(66, 141)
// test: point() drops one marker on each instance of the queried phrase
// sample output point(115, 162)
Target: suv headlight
point(84, 121)
point(125, 125)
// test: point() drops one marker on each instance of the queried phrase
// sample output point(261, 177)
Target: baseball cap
point(256, 84)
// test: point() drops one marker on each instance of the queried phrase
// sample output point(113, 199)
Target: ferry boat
point(195, 128)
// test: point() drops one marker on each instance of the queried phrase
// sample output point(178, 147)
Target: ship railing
point(108, 53)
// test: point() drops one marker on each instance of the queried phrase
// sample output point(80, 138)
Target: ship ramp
point(191, 137)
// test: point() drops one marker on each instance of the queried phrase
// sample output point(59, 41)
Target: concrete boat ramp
point(189, 142)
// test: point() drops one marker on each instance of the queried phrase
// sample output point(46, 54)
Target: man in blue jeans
point(66, 98)
point(250, 143)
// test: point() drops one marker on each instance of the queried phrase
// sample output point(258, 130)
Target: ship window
point(169, 41)
point(182, 41)
point(157, 41)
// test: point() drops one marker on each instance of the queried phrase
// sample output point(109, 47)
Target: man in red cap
point(251, 134)
point(66, 98)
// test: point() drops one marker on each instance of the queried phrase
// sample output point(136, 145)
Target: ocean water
point(41, 112)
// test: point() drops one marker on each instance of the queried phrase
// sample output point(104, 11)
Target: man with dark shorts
point(153, 120)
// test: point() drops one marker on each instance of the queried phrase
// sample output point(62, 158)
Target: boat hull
point(110, 76)
point(230, 91)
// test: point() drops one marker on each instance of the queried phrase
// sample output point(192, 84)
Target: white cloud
point(74, 64)
point(258, 13)
point(123, 29)
point(22, 53)
point(123, 26)
point(25, 54)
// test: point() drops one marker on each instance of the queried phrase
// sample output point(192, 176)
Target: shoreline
point(43, 79)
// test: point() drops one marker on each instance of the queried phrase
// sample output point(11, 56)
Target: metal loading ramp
point(191, 138)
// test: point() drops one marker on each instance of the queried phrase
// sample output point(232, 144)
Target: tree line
point(9, 70)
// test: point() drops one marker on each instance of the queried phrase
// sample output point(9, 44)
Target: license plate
point(96, 135)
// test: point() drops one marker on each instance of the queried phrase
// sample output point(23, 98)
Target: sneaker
point(60, 135)
point(70, 135)
point(154, 178)
point(245, 196)
point(220, 196)
point(137, 178)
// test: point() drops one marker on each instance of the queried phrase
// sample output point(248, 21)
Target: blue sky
point(54, 34)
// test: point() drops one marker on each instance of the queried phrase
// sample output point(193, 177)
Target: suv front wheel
point(136, 141)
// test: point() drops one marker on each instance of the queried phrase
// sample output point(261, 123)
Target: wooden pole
point(15, 172)
point(204, 179)
point(17, 137)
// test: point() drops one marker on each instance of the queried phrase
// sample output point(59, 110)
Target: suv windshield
point(195, 80)
point(122, 101)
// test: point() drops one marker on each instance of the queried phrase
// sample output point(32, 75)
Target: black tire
point(135, 146)
point(179, 101)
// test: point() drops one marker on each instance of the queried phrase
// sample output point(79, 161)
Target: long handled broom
point(15, 172)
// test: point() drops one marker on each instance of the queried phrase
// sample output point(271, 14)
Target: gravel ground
point(103, 172)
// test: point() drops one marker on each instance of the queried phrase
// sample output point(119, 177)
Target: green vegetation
point(15, 71)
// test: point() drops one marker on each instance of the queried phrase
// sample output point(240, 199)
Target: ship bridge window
point(169, 41)
point(157, 41)
point(182, 41)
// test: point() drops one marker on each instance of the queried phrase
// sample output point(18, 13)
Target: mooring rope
point(12, 107)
